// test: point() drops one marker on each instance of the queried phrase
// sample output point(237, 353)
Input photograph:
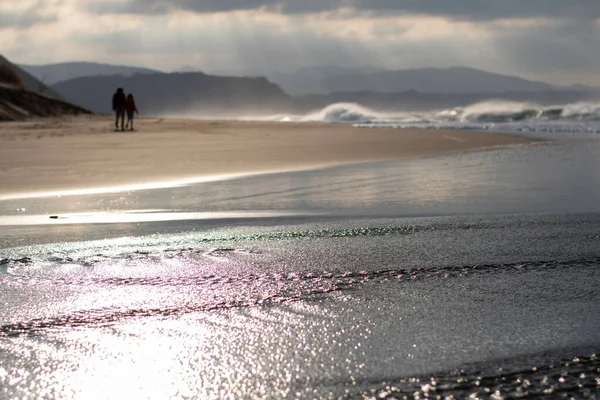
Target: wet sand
point(85, 152)
point(469, 275)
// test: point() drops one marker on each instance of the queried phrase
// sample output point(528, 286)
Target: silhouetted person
point(130, 108)
point(118, 105)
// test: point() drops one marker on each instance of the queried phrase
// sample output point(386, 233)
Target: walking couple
point(120, 104)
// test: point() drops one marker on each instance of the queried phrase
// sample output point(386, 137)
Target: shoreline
point(72, 155)
point(192, 180)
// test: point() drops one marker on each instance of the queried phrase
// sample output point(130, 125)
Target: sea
point(469, 276)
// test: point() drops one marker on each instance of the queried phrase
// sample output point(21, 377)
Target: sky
point(551, 40)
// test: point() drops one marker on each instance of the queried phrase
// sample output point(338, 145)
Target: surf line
point(156, 185)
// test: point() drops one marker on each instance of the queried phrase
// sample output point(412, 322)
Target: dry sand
point(85, 152)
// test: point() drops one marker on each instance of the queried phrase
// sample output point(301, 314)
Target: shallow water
point(467, 275)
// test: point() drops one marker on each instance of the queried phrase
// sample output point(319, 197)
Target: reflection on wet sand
point(140, 216)
point(312, 284)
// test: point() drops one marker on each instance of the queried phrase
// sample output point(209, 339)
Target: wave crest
point(346, 113)
point(337, 113)
point(492, 114)
point(504, 111)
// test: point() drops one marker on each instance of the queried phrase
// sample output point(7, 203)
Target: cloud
point(552, 46)
point(474, 10)
point(260, 42)
point(478, 10)
point(154, 7)
point(536, 39)
point(240, 41)
point(24, 18)
point(255, 42)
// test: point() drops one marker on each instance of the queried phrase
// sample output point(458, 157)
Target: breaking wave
point(503, 111)
point(347, 113)
point(492, 114)
point(340, 113)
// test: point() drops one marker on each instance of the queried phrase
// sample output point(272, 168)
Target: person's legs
point(130, 119)
point(121, 114)
point(116, 119)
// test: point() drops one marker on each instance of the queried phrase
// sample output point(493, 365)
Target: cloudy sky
point(552, 40)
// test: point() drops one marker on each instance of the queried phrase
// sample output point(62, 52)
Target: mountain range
point(329, 79)
point(424, 80)
point(178, 93)
point(54, 73)
point(182, 93)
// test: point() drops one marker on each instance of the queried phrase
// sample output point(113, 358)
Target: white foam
point(338, 113)
point(487, 115)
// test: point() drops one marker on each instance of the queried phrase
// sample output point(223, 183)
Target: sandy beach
point(475, 272)
point(85, 152)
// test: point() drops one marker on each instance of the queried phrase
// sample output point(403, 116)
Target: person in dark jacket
point(118, 105)
point(130, 107)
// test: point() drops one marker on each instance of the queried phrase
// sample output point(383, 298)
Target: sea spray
point(487, 115)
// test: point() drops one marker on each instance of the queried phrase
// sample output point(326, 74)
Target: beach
point(66, 153)
point(367, 263)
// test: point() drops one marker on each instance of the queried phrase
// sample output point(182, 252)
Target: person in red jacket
point(130, 108)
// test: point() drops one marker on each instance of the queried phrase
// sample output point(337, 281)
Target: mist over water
point(487, 115)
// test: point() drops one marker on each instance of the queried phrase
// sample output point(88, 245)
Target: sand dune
point(19, 104)
point(85, 151)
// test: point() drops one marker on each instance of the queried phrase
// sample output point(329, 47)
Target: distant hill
point(188, 68)
point(28, 81)
point(54, 73)
point(179, 94)
point(415, 101)
point(423, 80)
point(314, 79)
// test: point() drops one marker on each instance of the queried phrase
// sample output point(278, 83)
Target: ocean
point(467, 276)
point(492, 115)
